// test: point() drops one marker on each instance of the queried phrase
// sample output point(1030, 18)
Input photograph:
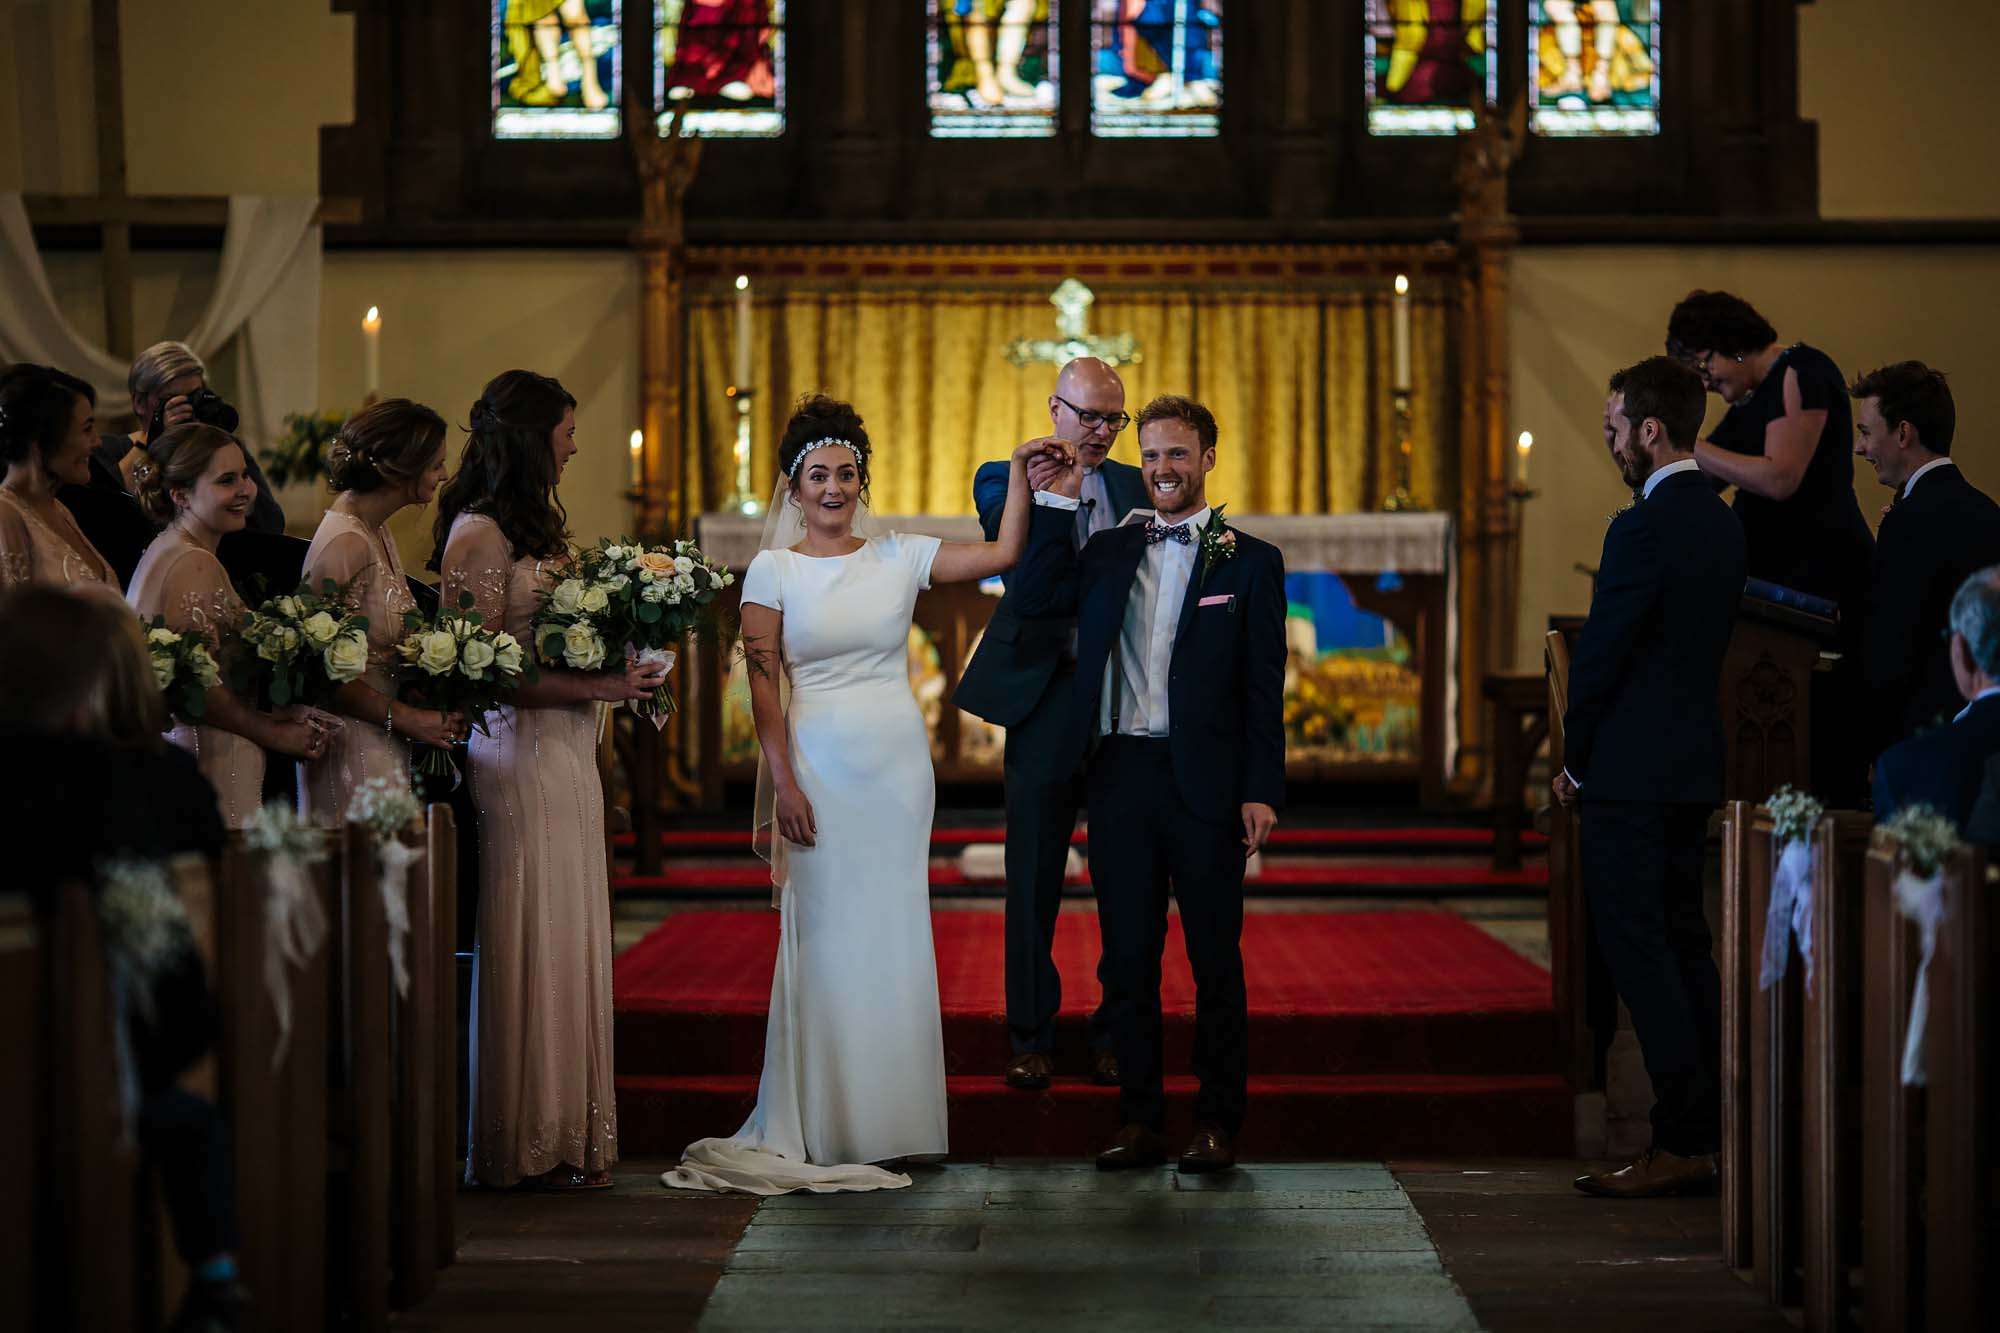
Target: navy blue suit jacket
point(1016, 659)
point(1942, 768)
point(1226, 681)
point(1929, 543)
point(1645, 711)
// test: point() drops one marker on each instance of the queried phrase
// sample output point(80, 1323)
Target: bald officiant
point(1020, 679)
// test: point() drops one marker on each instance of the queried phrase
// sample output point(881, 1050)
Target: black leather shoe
point(1029, 1072)
point(1135, 1146)
point(1104, 1069)
point(1654, 1175)
point(1211, 1149)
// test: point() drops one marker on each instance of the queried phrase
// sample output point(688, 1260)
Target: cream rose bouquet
point(452, 662)
point(300, 648)
point(623, 595)
point(183, 668)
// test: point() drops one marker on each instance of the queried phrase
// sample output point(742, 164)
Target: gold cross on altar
point(1072, 301)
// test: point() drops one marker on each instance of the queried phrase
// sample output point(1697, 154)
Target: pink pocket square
point(1220, 599)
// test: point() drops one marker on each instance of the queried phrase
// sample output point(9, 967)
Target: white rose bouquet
point(622, 593)
point(300, 648)
point(453, 663)
point(183, 668)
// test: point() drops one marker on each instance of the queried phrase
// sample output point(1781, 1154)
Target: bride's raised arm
point(959, 561)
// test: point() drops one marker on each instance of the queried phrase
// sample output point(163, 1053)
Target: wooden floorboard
point(633, 1257)
point(1530, 1253)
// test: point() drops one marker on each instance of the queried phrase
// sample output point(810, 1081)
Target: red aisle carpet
point(1371, 1033)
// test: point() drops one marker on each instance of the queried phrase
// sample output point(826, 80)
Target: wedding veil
point(784, 525)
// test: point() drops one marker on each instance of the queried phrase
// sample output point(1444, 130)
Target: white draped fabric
point(265, 304)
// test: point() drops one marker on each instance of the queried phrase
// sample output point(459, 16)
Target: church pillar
point(1489, 541)
point(667, 164)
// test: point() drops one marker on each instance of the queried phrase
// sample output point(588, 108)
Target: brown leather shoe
point(1211, 1149)
point(1135, 1145)
point(1654, 1175)
point(1030, 1071)
point(1104, 1069)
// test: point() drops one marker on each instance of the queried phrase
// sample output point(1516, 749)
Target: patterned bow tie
point(1157, 532)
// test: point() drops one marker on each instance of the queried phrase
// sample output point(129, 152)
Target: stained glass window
point(556, 69)
point(726, 60)
point(1426, 62)
point(1594, 66)
point(1156, 67)
point(992, 68)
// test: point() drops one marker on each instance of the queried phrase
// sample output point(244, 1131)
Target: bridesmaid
point(386, 457)
point(542, 1101)
point(48, 427)
point(194, 480)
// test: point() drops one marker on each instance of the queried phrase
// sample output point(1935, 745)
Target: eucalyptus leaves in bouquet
point(453, 663)
point(183, 668)
point(303, 646)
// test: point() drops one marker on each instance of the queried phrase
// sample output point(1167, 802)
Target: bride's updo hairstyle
point(816, 419)
point(177, 459)
point(389, 444)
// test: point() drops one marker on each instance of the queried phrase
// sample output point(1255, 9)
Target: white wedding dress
point(854, 1045)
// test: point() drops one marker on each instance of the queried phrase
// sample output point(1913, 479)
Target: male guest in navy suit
point(1944, 768)
point(1021, 678)
point(1938, 532)
point(1179, 685)
point(1643, 755)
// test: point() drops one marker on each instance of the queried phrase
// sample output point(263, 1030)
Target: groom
point(1179, 697)
point(1021, 677)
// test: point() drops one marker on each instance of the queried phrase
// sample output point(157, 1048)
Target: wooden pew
point(1960, 1216)
point(1791, 1062)
point(1892, 1172)
point(277, 1109)
point(20, 1096)
point(441, 869)
point(364, 1091)
point(87, 1234)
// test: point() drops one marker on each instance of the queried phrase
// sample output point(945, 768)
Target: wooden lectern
point(1766, 717)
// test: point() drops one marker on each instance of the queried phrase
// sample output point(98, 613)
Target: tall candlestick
point(1401, 326)
point(371, 351)
point(742, 331)
point(638, 458)
point(1521, 448)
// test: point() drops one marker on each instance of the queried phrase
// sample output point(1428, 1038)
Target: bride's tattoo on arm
point(758, 661)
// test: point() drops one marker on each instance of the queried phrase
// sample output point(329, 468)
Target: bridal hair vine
point(800, 457)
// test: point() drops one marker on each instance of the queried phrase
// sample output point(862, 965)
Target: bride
point(853, 1047)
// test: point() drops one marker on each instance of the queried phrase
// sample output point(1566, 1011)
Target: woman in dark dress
point(1787, 446)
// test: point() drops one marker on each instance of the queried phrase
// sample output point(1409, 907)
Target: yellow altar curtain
point(1299, 381)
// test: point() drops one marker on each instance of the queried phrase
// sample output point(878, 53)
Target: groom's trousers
point(1642, 866)
point(1145, 842)
point(1044, 792)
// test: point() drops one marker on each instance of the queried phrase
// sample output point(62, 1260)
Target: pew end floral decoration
point(1795, 815)
point(1929, 840)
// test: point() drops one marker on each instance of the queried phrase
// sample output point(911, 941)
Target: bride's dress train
point(854, 1045)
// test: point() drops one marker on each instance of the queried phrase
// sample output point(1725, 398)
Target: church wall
point(1580, 313)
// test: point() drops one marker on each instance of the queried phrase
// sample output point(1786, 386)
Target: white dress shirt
point(1661, 474)
point(1973, 702)
point(1911, 484)
point(1136, 676)
point(1094, 509)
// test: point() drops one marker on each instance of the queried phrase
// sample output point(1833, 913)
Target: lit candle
point(742, 331)
point(371, 351)
point(1402, 335)
point(1521, 448)
point(638, 458)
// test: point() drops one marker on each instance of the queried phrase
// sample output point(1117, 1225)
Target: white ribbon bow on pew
point(295, 924)
point(1790, 914)
point(1922, 901)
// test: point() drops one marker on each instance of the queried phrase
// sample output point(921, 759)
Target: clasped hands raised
point(1052, 464)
